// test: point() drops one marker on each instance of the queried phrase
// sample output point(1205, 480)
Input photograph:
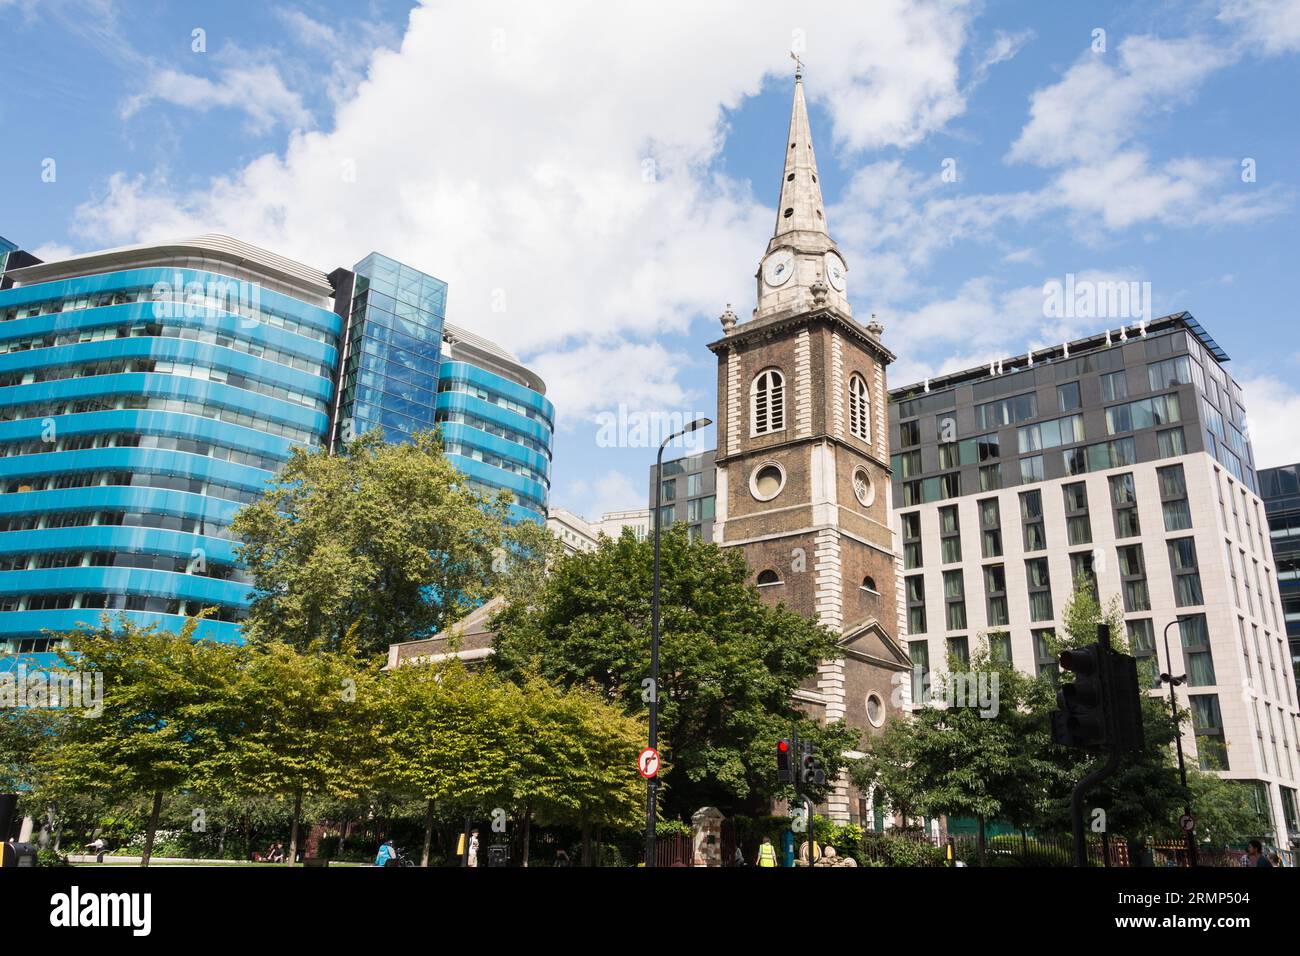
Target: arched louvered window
point(767, 402)
point(859, 408)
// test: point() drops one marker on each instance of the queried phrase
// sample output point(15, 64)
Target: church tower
point(803, 456)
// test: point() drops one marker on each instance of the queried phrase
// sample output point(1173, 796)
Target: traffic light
point(784, 770)
point(1103, 706)
point(1081, 720)
point(1127, 695)
point(811, 771)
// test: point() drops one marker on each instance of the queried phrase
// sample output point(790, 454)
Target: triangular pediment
point(868, 640)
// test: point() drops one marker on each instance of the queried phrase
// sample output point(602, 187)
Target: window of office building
point(1114, 386)
point(1031, 516)
point(694, 485)
point(1142, 645)
point(954, 596)
point(1051, 434)
point(1045, 655)
point(995, 595)
point(1173, 495)
point(1207, 722)
point(1187, 576)
point(911, 540)
point(1179, 370)
point(958, 652)
point(668, 489)
point(919, 652)
point(909, 434)
point(1031, 469)
point(1007, 411)
point(990, 477)
point(990, 528)
point(1077, 525)
point(1196, 650)
point(1000, 647)
point(1040, 589)
point(1144, 413)
point(1123, 499)
point(1133, 578)
point(1083, 573)
point(949, 535)
point(915, 604)
point(1170, 443)
point(1067, 397)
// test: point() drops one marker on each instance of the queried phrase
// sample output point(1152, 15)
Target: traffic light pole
point(1076, 804)
point(1106, 769)
point(1178, 739)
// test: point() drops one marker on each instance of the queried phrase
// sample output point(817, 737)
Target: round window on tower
point(767, 480)
point(875, 709)
point(863, 487)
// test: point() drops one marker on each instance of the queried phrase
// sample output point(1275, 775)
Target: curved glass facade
point(139, 409)
point(146, 394)
point(498, 432)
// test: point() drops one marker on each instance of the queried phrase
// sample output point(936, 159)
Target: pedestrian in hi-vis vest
point(766, 853)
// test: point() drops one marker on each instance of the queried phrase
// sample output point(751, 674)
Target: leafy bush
point(895, 850)
point(48, 857)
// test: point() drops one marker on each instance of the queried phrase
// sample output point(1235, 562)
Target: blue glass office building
point(408, 369)
point(147, 393)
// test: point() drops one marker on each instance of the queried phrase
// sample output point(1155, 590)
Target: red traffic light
point(783, 746)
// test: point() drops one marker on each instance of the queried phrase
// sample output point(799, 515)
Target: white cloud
point(253, 88)
point(1272, 410)
point(561, 163)
point(610, 491)
point(1273, 25)
point(594, 378)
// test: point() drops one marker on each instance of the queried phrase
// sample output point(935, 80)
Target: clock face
point(835, 271)
point(778, 267)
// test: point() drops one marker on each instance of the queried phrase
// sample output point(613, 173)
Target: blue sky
point(596, 181)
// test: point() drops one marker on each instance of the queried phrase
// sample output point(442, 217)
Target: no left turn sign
point(648, 763)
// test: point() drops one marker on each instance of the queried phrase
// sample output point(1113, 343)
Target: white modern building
point(1122, 456)
point(576, 533)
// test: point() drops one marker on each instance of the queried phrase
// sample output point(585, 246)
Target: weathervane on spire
point(798, 65)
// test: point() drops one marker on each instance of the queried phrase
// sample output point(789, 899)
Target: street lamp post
point(1169, 678)
point(652, 784)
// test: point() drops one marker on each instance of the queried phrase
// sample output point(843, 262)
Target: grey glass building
point(689, 493)
point(1121, 459)
point(1280, 489)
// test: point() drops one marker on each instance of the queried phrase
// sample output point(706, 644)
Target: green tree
point(387, 542)
point(307, 725)
point(729, 664)
point(978, 750)
point(446, 734)
point(166, 717)
point(576, 761)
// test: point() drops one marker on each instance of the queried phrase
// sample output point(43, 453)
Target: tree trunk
point(152, 829)
point(293, 828)
point(600, 844)
point(528, 830)
point(428, 835)
point(586, 839)
point(983, 860)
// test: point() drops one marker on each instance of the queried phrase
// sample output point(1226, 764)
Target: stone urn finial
point(874, 327)
point(819, 290)
point(728, 320)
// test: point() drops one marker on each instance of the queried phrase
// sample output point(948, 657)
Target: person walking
point(385, 853)
point(1255, 855)
point(766, 853)
point(473, 848)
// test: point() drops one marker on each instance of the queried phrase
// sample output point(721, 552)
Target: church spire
point(800, 209)
point(802, 268)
